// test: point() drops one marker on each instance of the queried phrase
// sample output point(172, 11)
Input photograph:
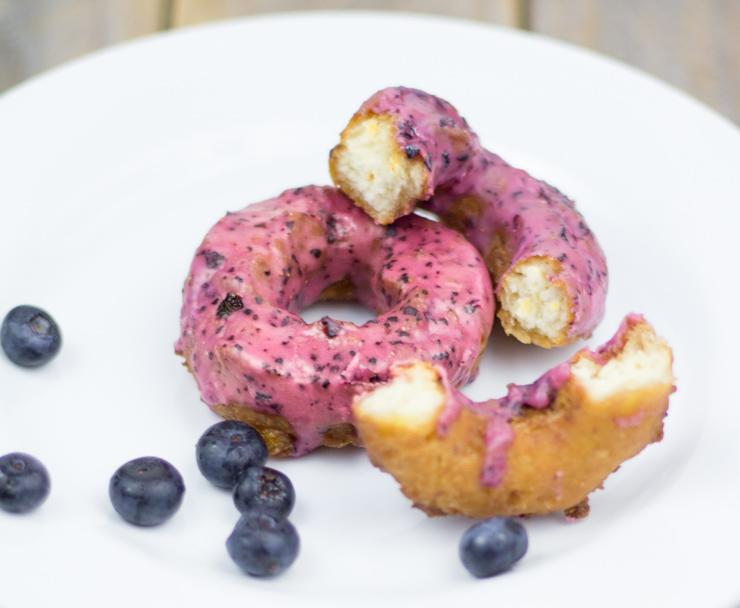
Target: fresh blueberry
point(24, 483)
point(264, 489)
point(227, 449)
point(146, 491)
point(492, 546)
point(263, 544)
point(29, 336)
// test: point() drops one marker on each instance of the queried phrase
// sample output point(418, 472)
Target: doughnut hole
point(534, 308)
point(371, 168)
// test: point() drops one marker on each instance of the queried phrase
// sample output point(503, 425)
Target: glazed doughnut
point(255, 359)
point(406, 147)
point(542, 448)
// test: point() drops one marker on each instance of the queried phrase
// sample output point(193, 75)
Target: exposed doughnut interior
point(413, 400)
point(642, 362)
point(371, 168)
point(611, 406)
point(534, 308)
point(534, 304)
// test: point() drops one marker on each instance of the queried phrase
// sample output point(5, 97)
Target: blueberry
point(492, 546)
point(29, 336)
point(227, 449)
point(146, 491)
point(24, 483)
point(263, 544)
point(264, 489)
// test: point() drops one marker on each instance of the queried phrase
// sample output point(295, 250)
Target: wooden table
point(692, 44)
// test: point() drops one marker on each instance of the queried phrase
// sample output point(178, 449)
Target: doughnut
point(541, 448)
point(256, 360)
point(405, 148)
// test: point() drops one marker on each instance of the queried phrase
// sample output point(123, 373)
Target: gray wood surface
point(692, 44)
point(505, 12)
point(36, 35)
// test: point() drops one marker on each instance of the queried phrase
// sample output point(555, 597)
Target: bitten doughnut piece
point(256, 360)
point(548, 269)
point(397, 149)
point(542, 448)
point(405, 147)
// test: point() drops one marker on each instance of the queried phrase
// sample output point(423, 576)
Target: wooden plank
point(36, 35)
point(694, 45)
point(189, 12)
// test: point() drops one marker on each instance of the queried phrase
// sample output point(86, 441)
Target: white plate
point(113, 168)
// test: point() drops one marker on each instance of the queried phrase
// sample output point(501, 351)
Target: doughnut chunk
point(397, 149)
point(542, 448)
point(255, 359)
point(406, 147)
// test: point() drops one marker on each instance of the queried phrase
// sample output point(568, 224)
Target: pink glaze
point(258, 267)
point(627, 422)
point(534, 218)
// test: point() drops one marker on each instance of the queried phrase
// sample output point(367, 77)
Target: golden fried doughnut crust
point(609, 408)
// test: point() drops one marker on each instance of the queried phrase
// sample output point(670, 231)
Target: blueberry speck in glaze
point(213, 259)
point(266, 490)
point(146, 491)
point(24, 483)
point(227, 449)
point(493, 546)
point(231, 303)
point(331, 328)
point(263, 544)
point(30, 336)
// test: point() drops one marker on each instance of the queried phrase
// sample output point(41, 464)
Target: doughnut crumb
point(374, 171)
point(534, 307)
